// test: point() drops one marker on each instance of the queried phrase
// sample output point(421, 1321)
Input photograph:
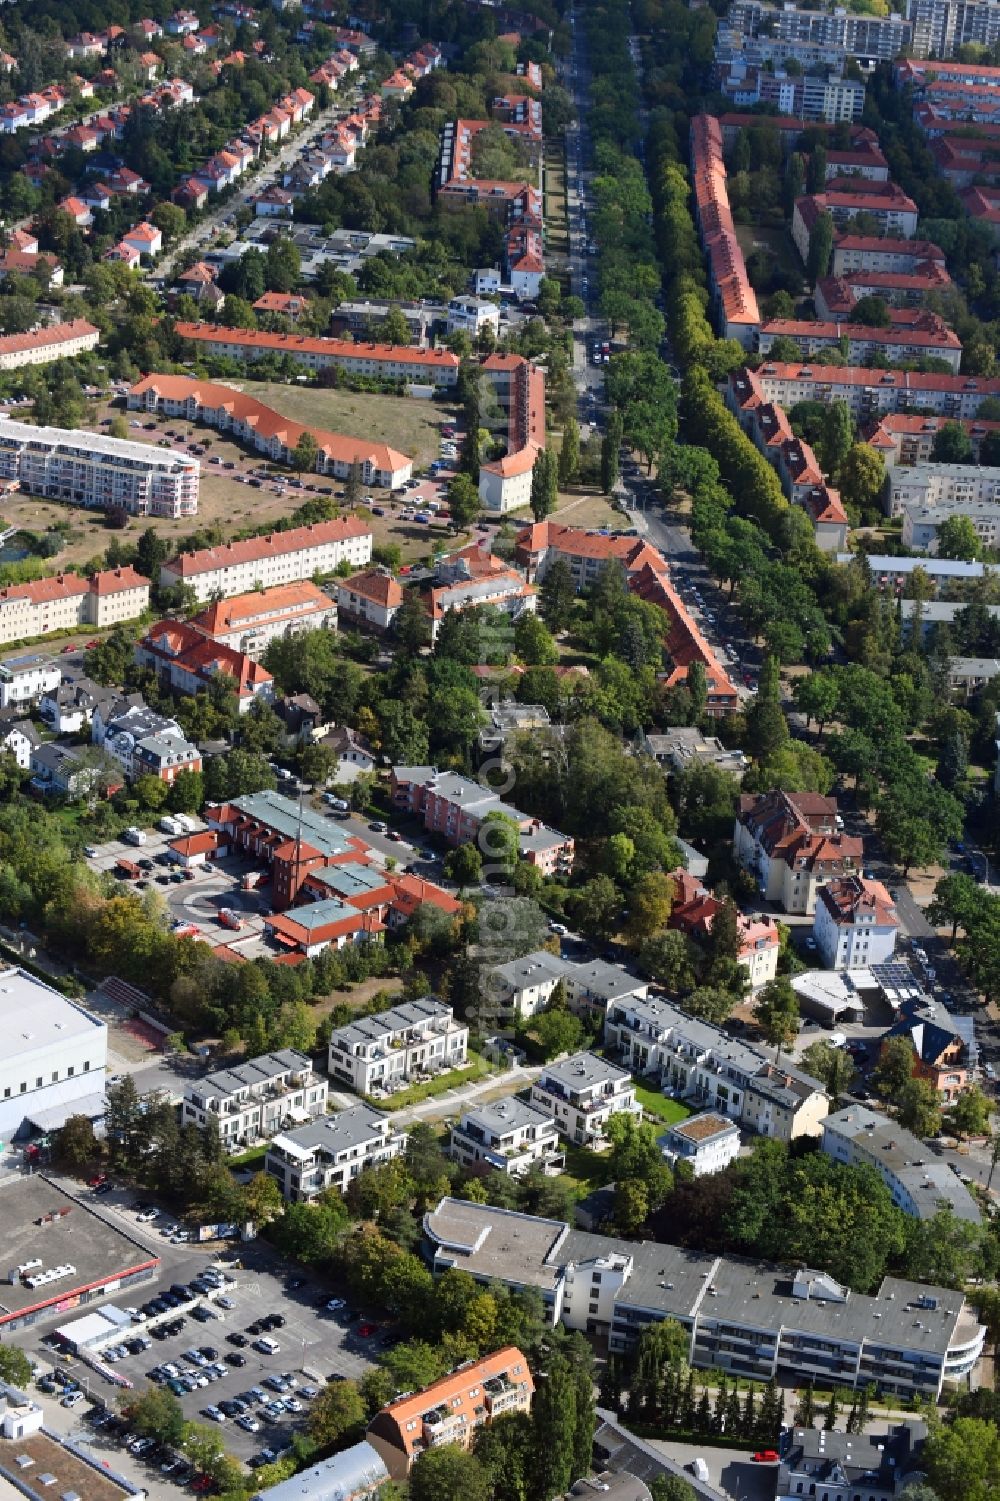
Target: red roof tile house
point(371, 598)
point(452, 1410)
point(695, 911)
point(793, 843)
point(388, 362)
point(145, 238)
point(185, 661)
point(734, 299)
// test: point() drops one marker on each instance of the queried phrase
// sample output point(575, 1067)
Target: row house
point(270, 433)
point(871, 393)
point(706, 1066)
point(508, 1137)
point(735, 301)
point(331, 1151)
point(581, 1094)
point(455, 807)
point(793, 843)
point(388, 362)
point(253, 1101)
point(186, 662)
point(416, 1039)
point(907, 438)
point(913, 335)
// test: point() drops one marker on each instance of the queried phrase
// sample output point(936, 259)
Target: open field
point(412, 426)
point(554, 188)
point(587, 510)
point(659, 1106)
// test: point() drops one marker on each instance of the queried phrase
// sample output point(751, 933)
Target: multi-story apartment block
point(581, 1094)
point(844, 199)
point(872, 393)
point(91, 469)
point(388, 362)
point(879, 1465)
point(330, 1151)
point(412, 1040)
point(792, 842)
point(921, 524)
point(54, 341)
point(735, 301)
point(751, 1319)
point(185, 661)
point(855, 924)
point(925, 334)
point(713, 1070)
point(264, 562)
point(509, 1136)
point(455, 807)
point(247, 623)
point(940, 27)
point(68, 600)
point(866, 38)
point(707, 1143)
point(930, 485)
point(452, 1410)
point(853, 252)
point(252, 1101)
point(905, 438)
point(920, 1184)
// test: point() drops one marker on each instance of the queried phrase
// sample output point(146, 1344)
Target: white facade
point(384, 1051)
point(921, 524)
point(93, 470)
point(53, 1055)
point(263, 562)
point(471, 315)
point(707, 1143)
point(581, 1094)
point(509, 1136)
point(855, 924)
point(23, 680)
point(502, 491)
point(941, 484)
point(331, 1151)
point(254, 1100)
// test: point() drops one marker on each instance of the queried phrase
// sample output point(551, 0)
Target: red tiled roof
point(211, 333)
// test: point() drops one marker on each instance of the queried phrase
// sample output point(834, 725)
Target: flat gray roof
point(506, 1115)
point(397, 1019)
point(500, 1243)
point(254, 1071)
point(284, 816)
point(334, 1133)
point(582, 1070)
point(34, 1016)
point(925, 1177)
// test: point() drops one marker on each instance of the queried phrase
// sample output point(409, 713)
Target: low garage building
point(191, 850)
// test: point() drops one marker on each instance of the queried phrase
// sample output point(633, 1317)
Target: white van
point(133, 835)
point(266, 1346)
point(168, 825)
point(186, 822)
point(836, 1039)
point(699, 1469)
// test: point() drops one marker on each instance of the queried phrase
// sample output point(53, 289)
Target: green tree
point(952, 445)
point(544, 485)
point(776, 1012)
point(962, 1460)
point(448, 1473)
point(76, 1145)
point(157, 1414)
point(557, 595)
point(499, 840)
point(895, 1067)
point(463, 500)
point(958, 538)
point(554, 1418)
point(917, 1107)
point(305, 453)
point(861, 480)
point(569, 453)
point(838, 436)
point(464, 865)
point(820, 248)
point(610, 448)
point(831, 1066)
point(969, 1115)
point(15, 1366)
point(338, 1415)
point(533, 642)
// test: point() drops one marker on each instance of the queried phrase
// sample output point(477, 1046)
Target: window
point(24, 1089)
point(38, 1082)
point(55, 1076)
point(70, 1071)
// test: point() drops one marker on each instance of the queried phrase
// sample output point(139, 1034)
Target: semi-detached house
point(415, 1038)
point(252, 1101)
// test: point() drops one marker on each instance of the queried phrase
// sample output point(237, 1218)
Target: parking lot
point(216, 1348)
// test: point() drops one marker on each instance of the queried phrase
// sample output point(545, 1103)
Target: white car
point(72, 1399)
point(335, 1304)
point(559, 928)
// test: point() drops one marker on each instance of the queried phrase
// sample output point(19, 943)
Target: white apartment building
point(941, 484)
point(263, 562)
point(386, 362)
point(509, 1136)
point(23, 680)
point(412, 1040)
point(714, 1071)
point(252, 1101)
point(54, 1055)
point(919, 1182)
point(55, 341)
point(99, 472)
point(707, 1143)
point(330, 1151)
point(372, 598)
point(119, 726)
point(581, 1094)
point(855, 924)
point(523, 986)
point(921, 524)
point(471, 315)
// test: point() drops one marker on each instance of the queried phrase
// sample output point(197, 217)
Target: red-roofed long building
point(388, 362)
point(262, 562)
point(871, 393)
point(267, 430)
point(68, 600)
point(734, 299)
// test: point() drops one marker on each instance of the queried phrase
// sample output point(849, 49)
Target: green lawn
point(656, 1104)
point(585, 1170)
